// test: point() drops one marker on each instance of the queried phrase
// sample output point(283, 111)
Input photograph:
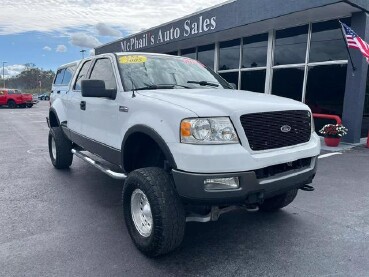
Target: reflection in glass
point(253, 80)
point(290, 45)
point(205, 54)
point(230, 77)
point(325, 88)
point(174, 53)
point(229, 54)
point(288, 82)
point(327, 43)
point(189, 53)
point(255, 51)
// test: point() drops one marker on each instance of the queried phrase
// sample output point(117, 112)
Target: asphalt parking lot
point(69, 223)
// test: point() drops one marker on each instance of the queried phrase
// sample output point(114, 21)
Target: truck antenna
point(133, 86)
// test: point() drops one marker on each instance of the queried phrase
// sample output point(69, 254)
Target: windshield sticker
point(191, 61)
point(132, 59)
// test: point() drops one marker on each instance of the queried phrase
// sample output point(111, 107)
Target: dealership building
point(290, 48)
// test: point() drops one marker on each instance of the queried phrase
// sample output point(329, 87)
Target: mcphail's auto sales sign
point(169, 33)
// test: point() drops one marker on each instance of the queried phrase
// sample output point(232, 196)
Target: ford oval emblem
point(286, 128)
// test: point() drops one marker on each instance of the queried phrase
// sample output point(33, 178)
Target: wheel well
point(54, 122)
point(140, 151)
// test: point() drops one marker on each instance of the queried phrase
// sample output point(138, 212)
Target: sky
point(49, 33)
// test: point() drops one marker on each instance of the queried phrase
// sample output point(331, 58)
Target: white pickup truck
point(189, 147)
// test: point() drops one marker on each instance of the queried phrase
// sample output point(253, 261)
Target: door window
point(59, 77)
point(81, 75)
point(103, 70)
point(68, 74)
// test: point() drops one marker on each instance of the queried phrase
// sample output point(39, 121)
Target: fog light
point(222, 184)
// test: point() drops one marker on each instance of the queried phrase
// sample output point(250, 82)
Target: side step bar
point(99, 166)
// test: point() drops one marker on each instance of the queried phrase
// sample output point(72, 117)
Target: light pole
point(4, 73)
point(83, 53)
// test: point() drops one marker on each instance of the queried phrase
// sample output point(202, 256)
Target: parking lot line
point(329, 155)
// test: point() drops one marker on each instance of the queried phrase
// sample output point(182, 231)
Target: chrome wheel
point(141, 213)
point(53, 148)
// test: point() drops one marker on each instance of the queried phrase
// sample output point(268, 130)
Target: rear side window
point(68, 74)
point(59, 77)
point(10, 91)
point(81, 75)
point(103, 70)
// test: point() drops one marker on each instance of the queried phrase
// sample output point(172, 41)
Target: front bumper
point(190, 186)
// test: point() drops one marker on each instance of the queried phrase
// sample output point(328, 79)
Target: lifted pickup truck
point(13, 98)
point(189, 147)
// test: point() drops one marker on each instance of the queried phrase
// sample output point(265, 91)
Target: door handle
point(83, 105)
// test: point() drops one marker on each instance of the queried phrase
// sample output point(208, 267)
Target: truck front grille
point(273, 130)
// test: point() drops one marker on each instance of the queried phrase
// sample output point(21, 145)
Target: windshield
point(154, 72)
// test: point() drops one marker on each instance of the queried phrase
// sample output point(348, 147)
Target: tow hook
point(307, 188)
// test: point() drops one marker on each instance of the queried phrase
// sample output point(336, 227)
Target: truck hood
point(222, 102)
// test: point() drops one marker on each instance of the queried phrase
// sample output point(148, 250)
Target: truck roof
point(69, 64)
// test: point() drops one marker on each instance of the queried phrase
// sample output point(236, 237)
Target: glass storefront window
point(229, 54)
point(174, 53)
point(253, 80)
point(290, 45)
point(255, 51)
point(230, 77)
point(365, 124)
point(288, 82)
point(327, 43)
point(189, 53)
point(326, 89)
point(205, 55)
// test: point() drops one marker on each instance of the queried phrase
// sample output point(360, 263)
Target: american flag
point(355, 42)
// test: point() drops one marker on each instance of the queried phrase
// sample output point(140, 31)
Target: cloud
point(105, 30)
point(84, 40)
point(13, 70)
point(61, 15)
point(47, 48)
point(61, 48)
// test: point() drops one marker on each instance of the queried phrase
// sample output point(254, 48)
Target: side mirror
point(95, 88)
point(233, 85)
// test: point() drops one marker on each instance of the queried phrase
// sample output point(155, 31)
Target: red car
point(15, 98)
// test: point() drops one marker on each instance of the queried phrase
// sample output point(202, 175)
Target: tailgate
point(27, 97)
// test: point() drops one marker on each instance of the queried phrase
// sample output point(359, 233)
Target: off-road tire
point(166, 207)
point(29, 105)
point(278, 202)
point(12, 104)
point(63, 145)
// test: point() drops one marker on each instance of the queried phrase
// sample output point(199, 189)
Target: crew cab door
point(74, 98)
point(100, 115)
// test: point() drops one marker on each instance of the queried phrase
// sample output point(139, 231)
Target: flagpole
point(347, 48)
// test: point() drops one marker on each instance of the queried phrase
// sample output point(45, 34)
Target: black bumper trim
point(190, 186)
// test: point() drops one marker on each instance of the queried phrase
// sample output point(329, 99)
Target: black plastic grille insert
point(270, 130)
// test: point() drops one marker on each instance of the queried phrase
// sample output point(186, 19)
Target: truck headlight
point(214, 130)
point(312, 123)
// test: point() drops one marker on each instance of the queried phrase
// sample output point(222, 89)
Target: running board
point(99, 166)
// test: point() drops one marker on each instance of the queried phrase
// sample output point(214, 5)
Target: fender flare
point(155, 137)
point(52, 110)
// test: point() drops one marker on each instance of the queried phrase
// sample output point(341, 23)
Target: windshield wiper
point(203, 83)
point(175, 85)
point(155, 87)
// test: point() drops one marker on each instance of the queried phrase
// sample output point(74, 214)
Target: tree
point(32, 79)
